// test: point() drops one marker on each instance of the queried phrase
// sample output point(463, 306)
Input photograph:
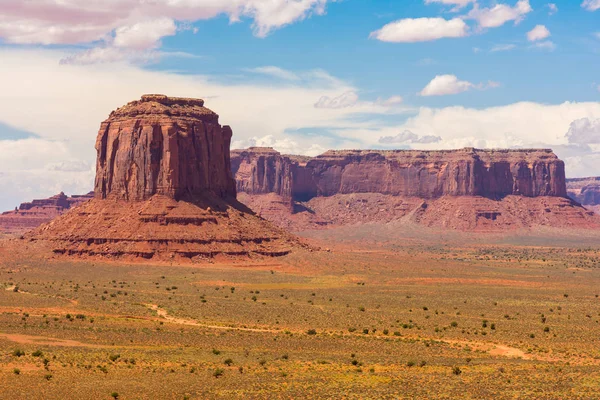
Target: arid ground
point(498, 318)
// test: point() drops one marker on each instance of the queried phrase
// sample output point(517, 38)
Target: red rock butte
point(163, 187)
point(465, 189)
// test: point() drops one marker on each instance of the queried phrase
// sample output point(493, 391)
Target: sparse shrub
point(454, 324)
point(37, 353)
point(114, 395)
point(16, 371)
point(216, 352)
point(456, 370)
point(48, 377)
point(410, 364)
point(546, 329)
point(311, 332)
point(262, 362)
point(18, 353)
point(228, 362)
point(114, 357)
point(218, 372)
point(366, 331)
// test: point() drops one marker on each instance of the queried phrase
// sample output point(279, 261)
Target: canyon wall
point(424, 174)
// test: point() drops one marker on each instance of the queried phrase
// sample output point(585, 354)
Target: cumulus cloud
point(412, 30)
point(552, 8)
point(443, 85)
point(540, 32)
point(500, 14)
point(347, 99)
point(584, 131)
point(591, 5)
point(282, 145)
point(34, 167)
point(409, 137)
point(135, 25)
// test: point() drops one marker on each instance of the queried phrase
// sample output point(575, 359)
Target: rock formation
point(161, 145)
point(585, 191)
point(32, 214)
point(340, 187)
point(163, 188)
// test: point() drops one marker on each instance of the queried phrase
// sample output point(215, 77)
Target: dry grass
point(370, 322)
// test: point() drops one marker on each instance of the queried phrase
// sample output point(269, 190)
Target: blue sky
point(302, 76)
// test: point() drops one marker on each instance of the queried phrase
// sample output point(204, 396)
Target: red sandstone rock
point(32, 214)
point(163, 188)
point(585, 190)
point(461, 189)
point(163, 145)
point(432, 174)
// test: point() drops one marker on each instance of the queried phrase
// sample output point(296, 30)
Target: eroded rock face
point(32, 214)
point(424, 174)
point(585, 190)
point(163, 145)
point(459, 189)
point(163, 188)
point(432, 174)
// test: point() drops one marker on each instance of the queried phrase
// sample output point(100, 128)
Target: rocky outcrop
point(32, 214)
point(163, 188)
point(487, 187)
point(584, 190)
point(433, 174)
point(424, 174)
point(163, 145)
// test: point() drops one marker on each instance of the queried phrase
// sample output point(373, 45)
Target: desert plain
point(367, 312)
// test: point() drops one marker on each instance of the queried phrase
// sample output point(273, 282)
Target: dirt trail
point(162, 313)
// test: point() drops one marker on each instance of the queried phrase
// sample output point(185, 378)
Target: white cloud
point(552, 8)
point(135, 25)
point(443, 85)
point(284, 146)
point(34, 168)
point(409, 137)
point(540, 32)
point(412, 30)
point(275, 72)
point(144, 35)
point(347, 99)
point(591, 5)
point(390, 101)
point(502, 47)
point(499, 14)
point(584, 131)
point(458, 4)
point(546, 45)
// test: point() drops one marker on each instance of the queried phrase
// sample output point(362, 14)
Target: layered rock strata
point(354, 186)
point(163, 187)
point(32, 214)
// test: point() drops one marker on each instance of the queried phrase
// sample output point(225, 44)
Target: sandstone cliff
point(462, 189)
point(424, 174)
point(432, 174)
point(163, 188)
point(32, 214)
point(163, 145)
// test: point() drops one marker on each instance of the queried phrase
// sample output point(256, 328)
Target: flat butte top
point(487, 155)
point(158, 106)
